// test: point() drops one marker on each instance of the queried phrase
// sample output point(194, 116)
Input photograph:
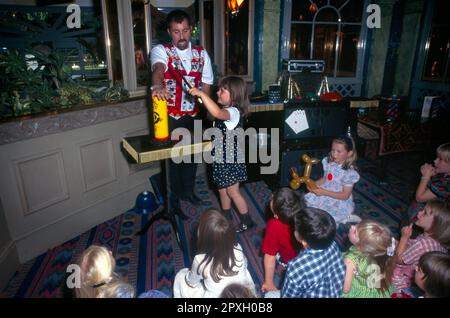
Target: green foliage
point(72, 93)
point(36, 81)
point(115, 93)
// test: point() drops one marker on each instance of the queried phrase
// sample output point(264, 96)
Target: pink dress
point(404, 273)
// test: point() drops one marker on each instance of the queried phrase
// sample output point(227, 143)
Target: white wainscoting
point(63, 174)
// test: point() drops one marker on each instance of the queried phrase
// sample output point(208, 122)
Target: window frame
point(425, 48)
point(420, 87)
point(126, 43)
point(335, 81)
point(219, 38)
point(286, 35)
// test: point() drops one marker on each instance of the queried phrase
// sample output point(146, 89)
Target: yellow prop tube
point(160, 119)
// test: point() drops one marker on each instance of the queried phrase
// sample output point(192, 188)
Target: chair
point(383, 134)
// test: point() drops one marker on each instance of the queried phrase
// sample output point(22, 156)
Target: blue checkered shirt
point(315, 274)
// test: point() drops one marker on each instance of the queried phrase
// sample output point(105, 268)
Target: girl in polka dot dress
point(334, 189)
point(229, 163)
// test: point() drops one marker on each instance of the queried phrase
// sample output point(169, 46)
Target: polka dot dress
point(229, 165)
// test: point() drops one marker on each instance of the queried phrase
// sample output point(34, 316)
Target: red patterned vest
point(181, 103)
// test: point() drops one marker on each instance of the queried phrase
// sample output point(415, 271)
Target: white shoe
point(353, 218)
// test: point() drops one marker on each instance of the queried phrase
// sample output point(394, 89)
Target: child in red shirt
point(279, 237)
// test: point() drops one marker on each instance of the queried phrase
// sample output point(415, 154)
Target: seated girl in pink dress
point(434, 219)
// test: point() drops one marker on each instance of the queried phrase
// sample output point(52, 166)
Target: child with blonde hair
point(220, 262)
point(434, 183)
point(334, 190)
point(98, 279)
point(369, 262)
point(116, 288)
point(434, 219)
point(97, 270)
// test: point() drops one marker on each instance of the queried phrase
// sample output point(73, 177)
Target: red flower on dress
point(330, 177)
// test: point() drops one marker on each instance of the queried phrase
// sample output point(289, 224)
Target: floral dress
point(335, 180)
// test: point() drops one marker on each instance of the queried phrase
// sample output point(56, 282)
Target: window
point(140, 42)
point(330, 30)
point(236, 41)
point(228, 37)
point(44, 28)
point(117, 36)
point(326, 30)
point(437, 48)
point(133, 28)
point(45, 65)
point(111, 24)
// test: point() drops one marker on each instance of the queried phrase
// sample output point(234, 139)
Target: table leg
point(168, 213)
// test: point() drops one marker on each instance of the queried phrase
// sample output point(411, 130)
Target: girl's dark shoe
point(242, 227)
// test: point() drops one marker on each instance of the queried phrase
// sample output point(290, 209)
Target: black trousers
point(182, 175)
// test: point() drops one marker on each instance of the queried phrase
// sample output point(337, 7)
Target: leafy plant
point(35, 81)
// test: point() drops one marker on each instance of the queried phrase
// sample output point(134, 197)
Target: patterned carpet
point(152, 260)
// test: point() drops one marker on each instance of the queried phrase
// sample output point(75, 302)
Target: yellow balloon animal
point(297, 181)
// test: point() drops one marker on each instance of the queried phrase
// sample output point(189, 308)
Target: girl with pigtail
point(369, 261)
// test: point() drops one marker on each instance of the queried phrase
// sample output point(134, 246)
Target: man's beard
point(182, 44)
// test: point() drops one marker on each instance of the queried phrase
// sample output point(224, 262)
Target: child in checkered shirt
point(318, 271)
point(434, 219)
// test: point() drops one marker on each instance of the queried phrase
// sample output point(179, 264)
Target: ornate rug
point(152, 260)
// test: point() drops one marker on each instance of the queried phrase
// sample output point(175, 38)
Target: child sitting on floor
point(318, 271)
point(221, 261)
point(369, 261)
point(433, 274)
point(434, 183)
point(97, 273)
point(236, 290)
point(98, 279)
point(279, 237)
point(334, 190)
point(434, 219)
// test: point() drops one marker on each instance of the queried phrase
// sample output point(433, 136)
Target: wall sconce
point(234, 6)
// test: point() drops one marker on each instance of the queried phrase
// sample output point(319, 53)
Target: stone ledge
point(41, 126)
